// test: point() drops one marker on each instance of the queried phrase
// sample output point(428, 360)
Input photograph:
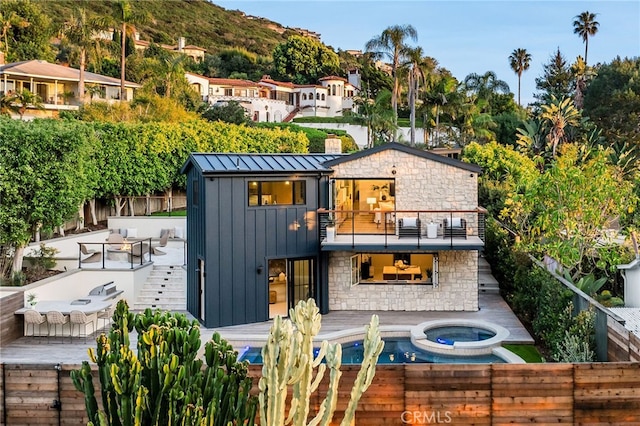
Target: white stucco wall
point(359, 133)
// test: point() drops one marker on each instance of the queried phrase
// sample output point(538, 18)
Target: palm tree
point(7, 21)
point(126, 18)
point(519, 60)
point(585, 25)
point(79, 31)
point(485, 86)
point(391, 43)
point(25, 99)
point(439, 94)
point(558, 115)
point(416, 64)
point(7, 105)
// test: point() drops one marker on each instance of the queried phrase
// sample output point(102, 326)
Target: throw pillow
point(132, 232)
point(179, 232)
point(409, 222)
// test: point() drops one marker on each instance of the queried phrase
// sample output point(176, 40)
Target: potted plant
point(32, 300)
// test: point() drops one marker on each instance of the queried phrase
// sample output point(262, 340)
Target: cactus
point(165, 383)
point(83, 381)
point(288, 359)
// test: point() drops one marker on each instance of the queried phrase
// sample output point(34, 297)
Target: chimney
point(332, 144)
point(181, 44)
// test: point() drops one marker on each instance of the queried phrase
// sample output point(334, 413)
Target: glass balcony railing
point(403, 225)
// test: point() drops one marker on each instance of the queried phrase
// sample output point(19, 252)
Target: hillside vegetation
point(202, 23)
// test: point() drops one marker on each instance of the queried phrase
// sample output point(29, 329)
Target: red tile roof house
point(57, 85)
point(276, 101)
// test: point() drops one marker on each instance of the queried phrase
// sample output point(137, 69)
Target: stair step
point(164, 289)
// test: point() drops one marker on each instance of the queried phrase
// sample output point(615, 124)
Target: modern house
point(57, 85)
point(275, 101)
point(389, 228)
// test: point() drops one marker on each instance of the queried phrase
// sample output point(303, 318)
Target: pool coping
point(416, 333)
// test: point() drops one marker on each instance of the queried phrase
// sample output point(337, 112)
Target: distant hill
point(202, 23)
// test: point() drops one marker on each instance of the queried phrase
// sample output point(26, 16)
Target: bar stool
point(80, 319)
point(33, 318)
point(56, 318)
point(107, 315)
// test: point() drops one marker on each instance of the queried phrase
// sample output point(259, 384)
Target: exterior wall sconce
point(259, 270)
point(471, 175)
point(393, 170)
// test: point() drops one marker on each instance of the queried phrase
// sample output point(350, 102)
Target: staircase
point(164, 289)
point(486, 282)
point(291, 115)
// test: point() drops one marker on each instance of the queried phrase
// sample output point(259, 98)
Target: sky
point(468, 36)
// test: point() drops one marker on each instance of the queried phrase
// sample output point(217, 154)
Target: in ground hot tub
point(459, 337)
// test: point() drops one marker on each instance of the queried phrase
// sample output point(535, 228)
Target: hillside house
point(57, 85)
point(389, 228)
point(275, 101)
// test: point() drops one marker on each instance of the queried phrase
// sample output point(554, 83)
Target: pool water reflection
point(447, 335)
point(396, 351)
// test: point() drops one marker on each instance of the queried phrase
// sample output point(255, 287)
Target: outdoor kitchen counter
point(65, 307)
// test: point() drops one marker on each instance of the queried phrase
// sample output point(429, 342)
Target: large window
point(394, 268)
point(283, 192)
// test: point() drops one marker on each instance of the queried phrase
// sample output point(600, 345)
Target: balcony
point(402, 229)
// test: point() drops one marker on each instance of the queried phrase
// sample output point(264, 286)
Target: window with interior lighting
point(395, 268)
point(281, 192)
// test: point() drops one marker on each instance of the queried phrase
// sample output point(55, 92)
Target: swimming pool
point(396, 351)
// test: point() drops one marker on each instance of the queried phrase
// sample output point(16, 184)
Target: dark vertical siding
point(323, 265)
point(196, 229)
point(239, 264)
point(234, 239)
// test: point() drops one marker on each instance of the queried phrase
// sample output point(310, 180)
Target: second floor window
point(264, 193)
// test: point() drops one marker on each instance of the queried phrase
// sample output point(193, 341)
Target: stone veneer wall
point(421, 184)
point(457, 289)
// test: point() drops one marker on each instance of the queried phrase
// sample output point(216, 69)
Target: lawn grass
point(528, 353)
point(173, 213)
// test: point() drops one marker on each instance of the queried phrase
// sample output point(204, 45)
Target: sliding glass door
point(301, 280)
point(290, 280)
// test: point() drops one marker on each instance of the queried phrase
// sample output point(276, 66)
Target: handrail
point(132, 243)
point(426, 218)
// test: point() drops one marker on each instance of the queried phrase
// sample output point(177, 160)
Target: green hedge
point(316, 136)
point(538, 299)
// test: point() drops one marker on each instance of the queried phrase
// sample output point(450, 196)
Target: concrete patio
point(73, 351)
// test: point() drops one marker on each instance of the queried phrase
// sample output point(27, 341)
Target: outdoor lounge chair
point(138, 251)
point(93, 255)
point(456, 229)
point(116, 241)
point(409, 227)
point(162, 243)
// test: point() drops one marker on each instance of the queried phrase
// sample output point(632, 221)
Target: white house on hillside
point(57, 85)
point(275, 101)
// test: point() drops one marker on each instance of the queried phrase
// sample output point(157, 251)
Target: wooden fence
point(464, 394)
point(622, 344)
point(11, 325)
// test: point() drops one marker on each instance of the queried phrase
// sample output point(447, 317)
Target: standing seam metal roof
point(262, 163)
